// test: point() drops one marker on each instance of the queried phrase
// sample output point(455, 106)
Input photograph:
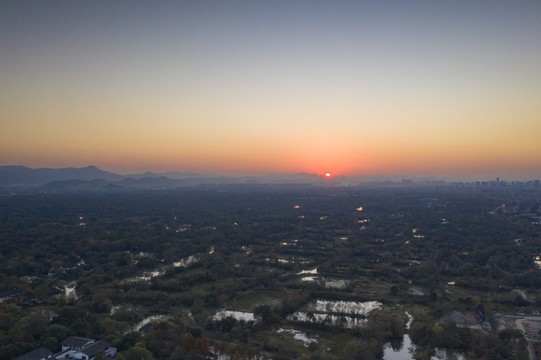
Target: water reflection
point(161, 270)
point(238, 315)
point(446, 354)
point(347, 307)
point(400, 349)
point(144, 322)
point(309, 272)
point(345, 321)
point(397, 344)
point(405, 350)
point(298, 335)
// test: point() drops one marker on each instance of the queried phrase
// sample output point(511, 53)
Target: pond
point(345, 321)
point(347, 314)
point(144, 322)
point(238, 315)
point(161, 270)
point(298, 335)
point(405, 350)
point(399, 351)
point(308, 272)
point(346, 307)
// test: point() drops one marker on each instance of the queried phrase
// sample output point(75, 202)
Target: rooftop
point(95, 348)
point(76, 342)
point(38, 354)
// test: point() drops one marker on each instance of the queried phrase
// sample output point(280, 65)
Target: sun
point(328, 174)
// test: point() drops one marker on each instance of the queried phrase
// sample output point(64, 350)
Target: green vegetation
point(96, 264)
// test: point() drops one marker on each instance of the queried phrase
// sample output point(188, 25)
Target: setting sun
point(188, 90)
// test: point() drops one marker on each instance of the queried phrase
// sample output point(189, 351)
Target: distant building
point(8, 295)
point(76, 342)
point(90, 351)
point(73, 347)
point(457, 317)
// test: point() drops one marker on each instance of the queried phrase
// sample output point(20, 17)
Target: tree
point(368, 349)
point(137, 353)
point(510, 335)
point(264, 314)
point(51, 343)
point(420, 332)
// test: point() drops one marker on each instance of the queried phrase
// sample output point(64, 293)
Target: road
point(518, 321)
point(520, 325)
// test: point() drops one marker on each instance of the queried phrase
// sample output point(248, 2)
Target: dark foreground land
point(282, 273)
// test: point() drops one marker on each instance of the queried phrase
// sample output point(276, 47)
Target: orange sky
point(285, 88)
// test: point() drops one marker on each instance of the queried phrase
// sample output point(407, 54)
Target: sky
point(441, 88)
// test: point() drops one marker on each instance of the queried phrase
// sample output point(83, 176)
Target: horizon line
point(446, 178)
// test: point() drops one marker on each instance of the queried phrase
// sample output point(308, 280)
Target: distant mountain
point(161, 182)
point(298, 178)
point(77, 185)
point(22, 175)
point(173, 175)
point(93, 178)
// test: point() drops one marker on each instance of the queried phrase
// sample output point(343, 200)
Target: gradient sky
point(444, 88)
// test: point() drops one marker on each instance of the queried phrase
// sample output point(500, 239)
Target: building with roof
point(38, 354)
point(99, 347)
point(76, 342)
point(9, 295)
point(73, 347)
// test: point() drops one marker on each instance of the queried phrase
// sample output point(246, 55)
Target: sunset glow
point(413, 88)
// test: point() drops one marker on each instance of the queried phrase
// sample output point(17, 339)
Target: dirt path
point(523, 295)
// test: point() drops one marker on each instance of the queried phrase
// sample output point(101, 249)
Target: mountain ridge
point(22, 175)
point(18, 175)
point(63, 178)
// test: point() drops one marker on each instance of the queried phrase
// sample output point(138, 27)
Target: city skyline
point(249, 88)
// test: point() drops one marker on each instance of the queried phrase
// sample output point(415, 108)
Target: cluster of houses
point(9, 295)
point(73, 347)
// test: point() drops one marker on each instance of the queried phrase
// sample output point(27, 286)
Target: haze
point(248, 87)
